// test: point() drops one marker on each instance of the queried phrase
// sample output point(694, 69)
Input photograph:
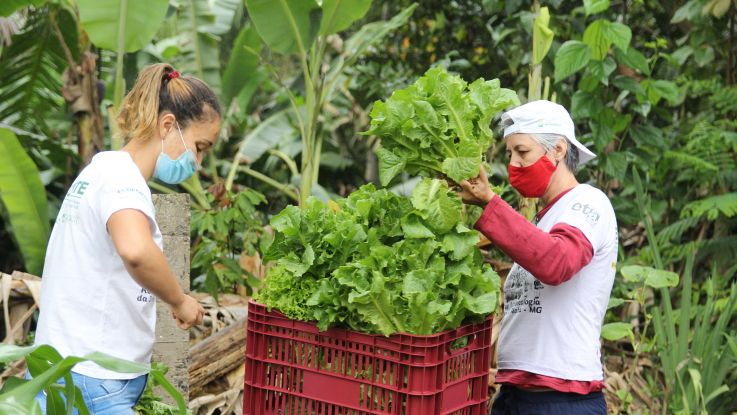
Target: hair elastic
point(172, 75)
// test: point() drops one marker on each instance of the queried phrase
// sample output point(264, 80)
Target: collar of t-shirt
point(547, 207)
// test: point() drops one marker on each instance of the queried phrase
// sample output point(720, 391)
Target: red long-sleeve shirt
point(552, 257)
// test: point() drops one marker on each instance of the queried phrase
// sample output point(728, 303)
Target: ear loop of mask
point(181, 137)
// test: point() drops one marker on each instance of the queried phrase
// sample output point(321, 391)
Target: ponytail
point(158, 89)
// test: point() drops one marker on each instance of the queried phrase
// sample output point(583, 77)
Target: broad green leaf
point(11, 407)
point(268, 134)
point(667, 89)
point(595, 6)
point(542, 36)
point(716, 7)
point(616, 331)
point(389, 166)
point(8, 7)
point(619, 34)
point(441, 207)
point(703, 55)
point(602, 134)
point(632, 58)
point(110, 22)
point(462, 168)
point(584, 105)
point(648, 135)
point(243, 65)
point(657, 89)
point(689, 11)
point(287, 26)
point(115, 364)
point(11, 352)
point(460, 245)
point(414, 228)
point(483, 304)
point(54, 402)
point(628, 83)
point(372, 33)
point(337, 15)
point(682, 54)
point(21, 397)
point(596, 37)
point(12, 383)
point(652, 277)
point(615, 302)
point(602, 69)
point(288, 221)
point(164, 383)
point(24, 198)
point(375, 304)
point(616, 164)
point(200, 36)
point(489, 99)
point(223, 11)
point(570, 58)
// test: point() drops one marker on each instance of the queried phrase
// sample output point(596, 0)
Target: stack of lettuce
point(377, 262)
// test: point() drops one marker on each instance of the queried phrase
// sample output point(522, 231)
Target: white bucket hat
point(548, 118)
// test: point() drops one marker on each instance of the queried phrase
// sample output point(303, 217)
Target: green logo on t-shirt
point(78, 188)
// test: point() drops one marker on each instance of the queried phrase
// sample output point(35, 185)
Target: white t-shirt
point(89, 301)
point(554, 330)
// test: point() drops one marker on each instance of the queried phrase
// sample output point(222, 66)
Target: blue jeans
point(104, 396)
point(514, 401)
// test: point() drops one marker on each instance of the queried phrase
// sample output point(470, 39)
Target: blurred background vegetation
point(650, 85)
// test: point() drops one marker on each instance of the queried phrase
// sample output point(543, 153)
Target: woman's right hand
point(476, 191)
point(188, 312)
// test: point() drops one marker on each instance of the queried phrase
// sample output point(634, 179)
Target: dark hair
point(159, 89)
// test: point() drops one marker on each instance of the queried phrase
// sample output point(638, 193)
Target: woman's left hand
point(476, 191)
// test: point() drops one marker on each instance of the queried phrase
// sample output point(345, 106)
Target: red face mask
point(533, 180)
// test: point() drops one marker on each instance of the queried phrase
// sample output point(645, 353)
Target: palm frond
point(724, 100)
point(31, 69)
point(674, 231)
point(691, 160)
point(711, 207)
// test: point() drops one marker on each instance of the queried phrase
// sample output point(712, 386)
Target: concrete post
point(172, 344)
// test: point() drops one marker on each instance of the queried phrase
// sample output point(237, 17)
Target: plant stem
point(284, 188)
point(119, 89)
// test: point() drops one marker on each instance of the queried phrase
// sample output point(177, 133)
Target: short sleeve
point(118, 194)
point(592, 215)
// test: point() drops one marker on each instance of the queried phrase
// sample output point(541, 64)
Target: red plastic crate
point(292, 368)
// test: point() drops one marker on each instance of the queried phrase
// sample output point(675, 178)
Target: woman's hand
point(476, 191)
point(188, 312)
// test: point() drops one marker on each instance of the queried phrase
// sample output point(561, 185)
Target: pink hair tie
point(172, 75)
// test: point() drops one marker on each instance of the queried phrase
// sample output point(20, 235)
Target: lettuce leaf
point(440, 125)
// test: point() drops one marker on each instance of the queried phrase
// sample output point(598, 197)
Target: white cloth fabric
point(554, 330)
point(89, 302)
point(547, 118)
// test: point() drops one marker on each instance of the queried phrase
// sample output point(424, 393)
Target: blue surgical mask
point(176, 171)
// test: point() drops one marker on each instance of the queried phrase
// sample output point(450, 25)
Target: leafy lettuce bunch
point(437, 126)
point(380, 263)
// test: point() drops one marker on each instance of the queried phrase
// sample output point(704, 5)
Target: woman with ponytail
point(104, 262)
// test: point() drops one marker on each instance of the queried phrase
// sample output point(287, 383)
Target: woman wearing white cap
point(557, 292)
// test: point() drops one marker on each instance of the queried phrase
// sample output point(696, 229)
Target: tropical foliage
point(650, 85)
